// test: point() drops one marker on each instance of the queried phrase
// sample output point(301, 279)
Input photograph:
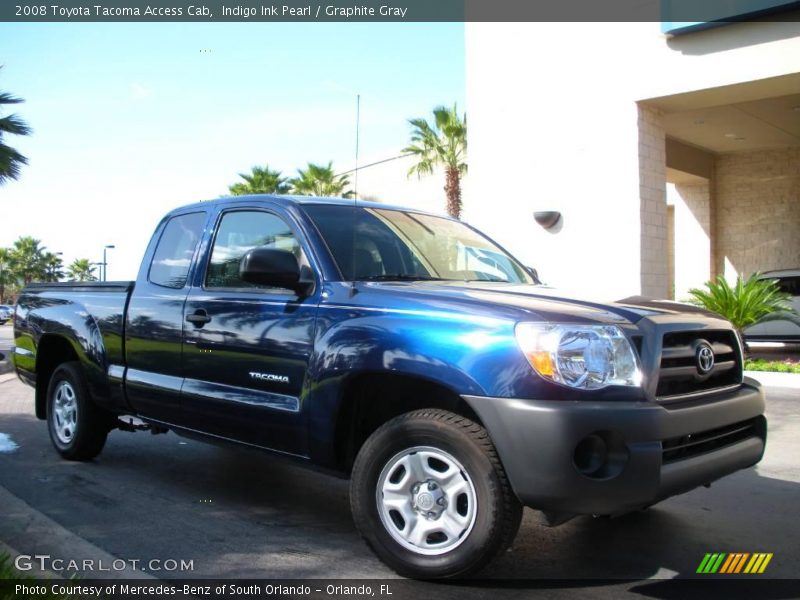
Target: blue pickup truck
point(405, 351)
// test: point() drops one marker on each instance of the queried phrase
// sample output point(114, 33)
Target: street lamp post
point(105, 260)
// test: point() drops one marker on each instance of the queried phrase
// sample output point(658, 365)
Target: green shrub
point(7, 571)
point(746, 303)
point(775, 366)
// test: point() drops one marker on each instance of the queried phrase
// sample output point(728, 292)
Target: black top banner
point(690, 11)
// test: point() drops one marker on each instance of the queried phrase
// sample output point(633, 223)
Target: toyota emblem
point(705, 358)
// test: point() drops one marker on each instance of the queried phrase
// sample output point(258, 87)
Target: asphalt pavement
point(239, 513)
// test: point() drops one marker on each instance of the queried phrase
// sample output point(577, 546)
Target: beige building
point(671, 159)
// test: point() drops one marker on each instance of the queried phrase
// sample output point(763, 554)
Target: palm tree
point(53, 266)
point(10, 159)
point(261, 180)
point(444, 144)
point(748, 302)
point(319, 180)
point(6, 274)
point(81, 269)
point(28, 260)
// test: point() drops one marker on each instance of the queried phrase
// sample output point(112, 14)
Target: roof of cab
point(289, 200)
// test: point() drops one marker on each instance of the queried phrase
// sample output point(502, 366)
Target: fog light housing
point(591, 455)
point(601, 455)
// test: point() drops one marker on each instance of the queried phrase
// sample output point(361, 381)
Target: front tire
point(430, 496)
point(78, 428)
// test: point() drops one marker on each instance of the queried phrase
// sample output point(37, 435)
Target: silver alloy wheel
point(65, 412)
point(426, 500)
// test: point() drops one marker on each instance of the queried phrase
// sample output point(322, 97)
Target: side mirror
point(274, 268)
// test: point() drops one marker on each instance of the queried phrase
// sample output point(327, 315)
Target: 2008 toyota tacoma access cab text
point(404, 350)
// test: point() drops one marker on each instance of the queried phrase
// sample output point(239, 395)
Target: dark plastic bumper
point(537, 440)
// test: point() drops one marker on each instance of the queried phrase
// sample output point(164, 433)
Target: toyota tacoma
point(407, 352)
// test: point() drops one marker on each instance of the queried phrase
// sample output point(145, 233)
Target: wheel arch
point(370, 399)
point(52, 351)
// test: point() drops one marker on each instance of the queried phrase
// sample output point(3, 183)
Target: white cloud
point(140, 92)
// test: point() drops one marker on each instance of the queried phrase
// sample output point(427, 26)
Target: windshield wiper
point(399, 277)
point(489, 279)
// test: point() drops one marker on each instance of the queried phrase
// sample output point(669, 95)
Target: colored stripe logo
point(734, 563)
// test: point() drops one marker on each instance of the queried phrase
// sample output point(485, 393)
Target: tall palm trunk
point(452, 188)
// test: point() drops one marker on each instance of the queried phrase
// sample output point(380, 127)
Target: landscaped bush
point(7, 571)
point(777, 366)
point(746, 303)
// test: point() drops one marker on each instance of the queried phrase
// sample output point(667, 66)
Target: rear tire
point(78, 427)
point(430, 496)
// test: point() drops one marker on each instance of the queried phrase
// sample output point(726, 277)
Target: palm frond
point(320, 180)
point(14, 125)
point(10, 160)
point(260, 180)
point(441, 144)
point(745, 303)
point(10, 163)
point(6, 98)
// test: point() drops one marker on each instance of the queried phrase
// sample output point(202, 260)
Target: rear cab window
point(172, 258)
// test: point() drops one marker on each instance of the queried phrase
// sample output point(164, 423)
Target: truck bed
point(91, 314)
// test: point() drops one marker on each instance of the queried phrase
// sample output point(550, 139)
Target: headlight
point(580, 356)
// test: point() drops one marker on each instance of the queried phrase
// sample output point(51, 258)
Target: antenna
point(355, 202)
point(358, 123)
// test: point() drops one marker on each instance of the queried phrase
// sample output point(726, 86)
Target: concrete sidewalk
point(770, 379)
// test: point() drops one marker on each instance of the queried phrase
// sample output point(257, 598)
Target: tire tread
point(511, 510)
point(93, 420)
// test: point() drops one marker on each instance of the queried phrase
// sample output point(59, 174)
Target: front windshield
point(383, 244)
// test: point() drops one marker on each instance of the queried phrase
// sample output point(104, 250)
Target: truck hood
point(534, 301)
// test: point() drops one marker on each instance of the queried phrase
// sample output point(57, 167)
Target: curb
point(26, 531)
point(7, 377)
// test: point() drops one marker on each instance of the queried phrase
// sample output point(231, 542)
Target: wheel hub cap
point(426, 500)
point(429, 500)
point(65, 412)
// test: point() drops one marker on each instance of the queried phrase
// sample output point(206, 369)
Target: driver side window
point(238, 233)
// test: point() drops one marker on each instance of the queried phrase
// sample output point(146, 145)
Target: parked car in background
point(6, 313)
point(780, 330)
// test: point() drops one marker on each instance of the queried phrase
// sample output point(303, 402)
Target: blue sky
point(131, 120)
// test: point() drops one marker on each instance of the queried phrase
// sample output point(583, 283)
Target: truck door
point(247, 347)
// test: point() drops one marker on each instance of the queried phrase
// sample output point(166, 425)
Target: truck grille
point(681, 372)
point(687, 446)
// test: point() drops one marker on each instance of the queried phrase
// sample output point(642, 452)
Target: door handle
point(199, 318)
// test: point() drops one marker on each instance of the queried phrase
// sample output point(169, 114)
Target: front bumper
point(537, 443)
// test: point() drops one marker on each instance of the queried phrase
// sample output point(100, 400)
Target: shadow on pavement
point(247, 514)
